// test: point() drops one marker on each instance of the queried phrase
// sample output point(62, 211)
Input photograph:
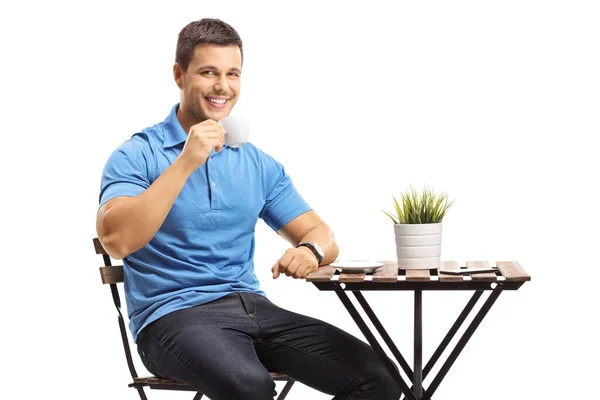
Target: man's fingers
point(301, 272)
point(284, 263)
point(220, 129)
point(296, 267)
point(307, 269)
point(292, 267)
point(275, 270)
point(281, 265)
point(210, 122)
point(294, 264)
point(208, 132)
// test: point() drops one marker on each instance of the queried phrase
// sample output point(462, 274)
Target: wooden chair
point(112, 275)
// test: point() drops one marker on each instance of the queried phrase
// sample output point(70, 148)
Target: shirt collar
point(174, 133)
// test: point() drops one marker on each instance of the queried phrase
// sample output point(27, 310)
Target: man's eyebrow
point(213, 68)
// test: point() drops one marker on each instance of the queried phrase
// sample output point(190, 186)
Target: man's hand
point(202, 138)
point(296, 262)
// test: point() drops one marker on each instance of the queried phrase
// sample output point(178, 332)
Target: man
point(180, 207)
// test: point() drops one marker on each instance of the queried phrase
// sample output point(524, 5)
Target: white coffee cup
point(237, 129)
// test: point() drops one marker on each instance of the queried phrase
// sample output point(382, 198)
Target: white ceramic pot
point(418, 246)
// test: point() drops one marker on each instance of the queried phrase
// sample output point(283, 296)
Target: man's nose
point(221, 84)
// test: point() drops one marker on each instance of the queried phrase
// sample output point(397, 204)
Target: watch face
point(318, 249)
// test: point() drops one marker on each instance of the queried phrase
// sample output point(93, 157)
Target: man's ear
point(178, 75)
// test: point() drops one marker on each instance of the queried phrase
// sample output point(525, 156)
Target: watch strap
point(313, 249)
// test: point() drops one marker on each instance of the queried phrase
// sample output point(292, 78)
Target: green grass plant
point(425, 207)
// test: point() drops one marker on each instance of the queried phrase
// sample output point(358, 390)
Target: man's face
point(211, 84)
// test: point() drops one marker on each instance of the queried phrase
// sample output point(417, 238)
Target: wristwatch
point(316, 249)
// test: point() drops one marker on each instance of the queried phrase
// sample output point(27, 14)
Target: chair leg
point(286, 390)
point(198, 396)
point(141, 392)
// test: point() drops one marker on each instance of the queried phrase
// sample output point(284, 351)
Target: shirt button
point(214, 184)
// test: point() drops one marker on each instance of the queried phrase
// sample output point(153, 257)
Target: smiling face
point(211, 84)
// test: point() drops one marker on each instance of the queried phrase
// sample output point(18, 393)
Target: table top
point(388, 277)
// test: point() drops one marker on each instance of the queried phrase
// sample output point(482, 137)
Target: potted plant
point(418, 228)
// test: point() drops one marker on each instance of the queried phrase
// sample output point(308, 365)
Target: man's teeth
point(217, 101)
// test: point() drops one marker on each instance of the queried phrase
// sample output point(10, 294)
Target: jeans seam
point(253, 305)
point(343, 367)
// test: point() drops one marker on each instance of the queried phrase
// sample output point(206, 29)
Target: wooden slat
point(111, 274)
point(352, 277)
point(159, 381)
point(387, 273)
point(98, 247)
point(417, 275)
point(153, 380)
point(277, 375)
point(513, 271)
point(449, 278)
point(322, 274)
point(484, 277)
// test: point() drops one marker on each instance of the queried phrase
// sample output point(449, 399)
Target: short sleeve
point(125, 173)
point(283, 203)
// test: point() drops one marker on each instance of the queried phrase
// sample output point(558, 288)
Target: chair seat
point(153, 380)
point(165, 383)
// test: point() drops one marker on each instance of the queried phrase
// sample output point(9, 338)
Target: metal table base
point(417, 391)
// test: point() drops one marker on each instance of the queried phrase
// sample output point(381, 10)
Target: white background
point(494, 102)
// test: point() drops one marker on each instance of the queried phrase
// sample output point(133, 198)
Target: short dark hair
point(204, 31)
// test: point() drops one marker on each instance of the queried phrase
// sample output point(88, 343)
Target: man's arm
point(300, 262)
point(126, 224)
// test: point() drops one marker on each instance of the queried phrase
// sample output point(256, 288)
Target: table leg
point(384, 335)
point(418, 345)
point(373, 342)
point(450, 335)
point(415, 392)
point(463, 341)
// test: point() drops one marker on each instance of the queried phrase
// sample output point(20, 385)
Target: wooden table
point(510, 276)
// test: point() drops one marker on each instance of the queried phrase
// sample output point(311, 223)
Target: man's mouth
point(217, 102)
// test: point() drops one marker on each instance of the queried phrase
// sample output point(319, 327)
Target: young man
point(180, 207)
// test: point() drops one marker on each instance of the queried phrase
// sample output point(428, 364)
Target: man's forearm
point(131, 223)
point(323, 236)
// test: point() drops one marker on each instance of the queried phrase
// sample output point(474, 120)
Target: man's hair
point(204, 31)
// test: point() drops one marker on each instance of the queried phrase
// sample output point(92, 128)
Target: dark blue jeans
point(226, 348)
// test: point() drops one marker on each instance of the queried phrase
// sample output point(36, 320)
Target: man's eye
point(208, 72)
point(236, 74)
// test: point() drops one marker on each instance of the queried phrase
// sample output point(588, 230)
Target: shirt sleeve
point(125, 173)
point(283, 203)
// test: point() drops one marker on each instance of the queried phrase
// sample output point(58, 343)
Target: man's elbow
point(114, 247)
point(109, 231)
point(334, 249)
point(111, 241)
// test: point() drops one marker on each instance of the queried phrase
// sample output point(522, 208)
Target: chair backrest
point(112, 275)
point(109, 273)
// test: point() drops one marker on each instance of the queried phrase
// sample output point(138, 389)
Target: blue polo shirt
point(204, 249)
